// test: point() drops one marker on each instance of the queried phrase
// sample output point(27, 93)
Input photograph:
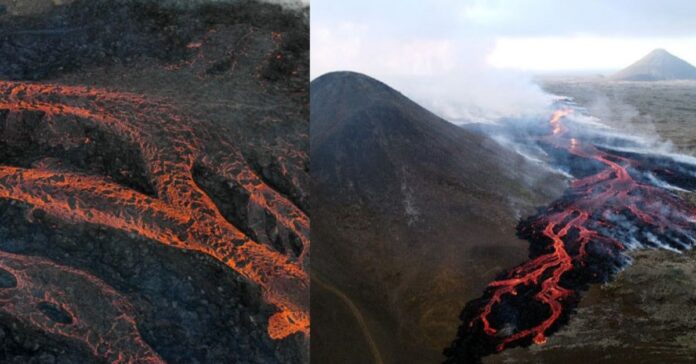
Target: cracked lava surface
point(177, 213)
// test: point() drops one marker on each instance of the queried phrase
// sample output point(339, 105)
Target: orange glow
point(555, 121)
point(545, 270)
point(109, 330)
point(569, 233)
point(181, 214)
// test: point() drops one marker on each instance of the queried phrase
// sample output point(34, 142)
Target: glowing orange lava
point(181, 214)
point(579, 239)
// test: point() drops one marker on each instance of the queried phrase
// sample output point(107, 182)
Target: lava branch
point(182, 214)
point(552, 266)
point(579, 239)
point(264, 196)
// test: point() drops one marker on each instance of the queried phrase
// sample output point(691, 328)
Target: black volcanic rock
point(238, 67)
point(658, 65)
point(411, 217)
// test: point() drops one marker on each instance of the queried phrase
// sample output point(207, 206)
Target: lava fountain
point(618, 200)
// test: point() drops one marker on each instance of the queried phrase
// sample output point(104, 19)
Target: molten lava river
point(174, 210)
point(620, 198)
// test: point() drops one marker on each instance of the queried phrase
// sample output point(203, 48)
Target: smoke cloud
point(449, 77)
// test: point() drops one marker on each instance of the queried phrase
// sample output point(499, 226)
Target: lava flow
point(616, 202)
point(34, 290)
point(171, 205)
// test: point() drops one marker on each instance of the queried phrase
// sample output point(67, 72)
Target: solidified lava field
point(622, 197)
point(153, 177)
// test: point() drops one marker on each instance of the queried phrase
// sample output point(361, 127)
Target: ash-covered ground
point(154, 165)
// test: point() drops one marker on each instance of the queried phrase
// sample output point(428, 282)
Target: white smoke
point(449, 77)
point(479, 94)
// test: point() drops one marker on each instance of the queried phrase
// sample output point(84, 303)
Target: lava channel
point(580, 239)
point(179, 213)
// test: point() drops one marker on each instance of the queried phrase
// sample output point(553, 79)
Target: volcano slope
point(412, 216)
point(153, 178)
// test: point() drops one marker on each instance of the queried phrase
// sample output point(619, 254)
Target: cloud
point(589, 17)
point(516, 18)
point(555, 53)
point(472, 59)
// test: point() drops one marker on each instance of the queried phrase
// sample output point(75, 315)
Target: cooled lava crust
point(617, 201)
point(133, 229)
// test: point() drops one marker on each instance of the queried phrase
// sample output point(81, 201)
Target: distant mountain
point(411, 215)
point(658, 65)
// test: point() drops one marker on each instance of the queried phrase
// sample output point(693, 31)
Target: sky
point(448, 53)
point(532, 35)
